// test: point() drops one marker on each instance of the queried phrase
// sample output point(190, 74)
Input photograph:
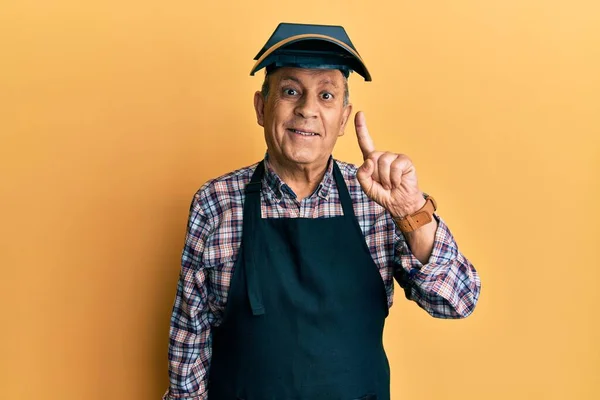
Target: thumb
point(364, 175)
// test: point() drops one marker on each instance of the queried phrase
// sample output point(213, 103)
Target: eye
point(327, 96)
point(290, 92)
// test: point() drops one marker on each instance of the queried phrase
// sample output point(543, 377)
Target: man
point(287, 270)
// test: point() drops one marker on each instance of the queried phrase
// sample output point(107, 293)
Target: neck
point(303, 179)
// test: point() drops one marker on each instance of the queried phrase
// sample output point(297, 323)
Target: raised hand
point(387, 178)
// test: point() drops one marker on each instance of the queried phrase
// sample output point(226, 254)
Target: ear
point(346, 114)
point(259, 107)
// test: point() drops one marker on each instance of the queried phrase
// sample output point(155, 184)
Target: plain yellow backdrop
point(113, 113)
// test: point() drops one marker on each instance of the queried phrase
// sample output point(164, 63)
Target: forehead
point(305, 76)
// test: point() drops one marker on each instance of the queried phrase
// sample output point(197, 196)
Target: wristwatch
point(419, 218)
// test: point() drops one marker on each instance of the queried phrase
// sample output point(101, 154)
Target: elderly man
point(288, 266)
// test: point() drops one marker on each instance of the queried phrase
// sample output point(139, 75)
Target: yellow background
point(113, 113)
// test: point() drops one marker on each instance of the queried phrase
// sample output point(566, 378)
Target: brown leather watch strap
point(416, 220)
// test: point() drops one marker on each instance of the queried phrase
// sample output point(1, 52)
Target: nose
point(307, 107)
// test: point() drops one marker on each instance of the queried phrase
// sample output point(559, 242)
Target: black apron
point(305, 311)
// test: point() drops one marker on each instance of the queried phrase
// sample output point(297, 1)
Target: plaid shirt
point(446, 287)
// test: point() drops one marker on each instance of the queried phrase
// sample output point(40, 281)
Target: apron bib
point(305, 312)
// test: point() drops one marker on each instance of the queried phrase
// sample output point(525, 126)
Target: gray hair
point(265, 89)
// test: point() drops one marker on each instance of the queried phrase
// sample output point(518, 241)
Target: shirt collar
point(279, 187)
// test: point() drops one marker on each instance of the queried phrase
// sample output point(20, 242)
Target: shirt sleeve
point(447, 286)
point(190, 340)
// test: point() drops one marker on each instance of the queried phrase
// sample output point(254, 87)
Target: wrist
point(423, 216)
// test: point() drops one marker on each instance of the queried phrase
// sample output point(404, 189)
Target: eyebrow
point(327, 82)
point(290, 78)
point(321, 82)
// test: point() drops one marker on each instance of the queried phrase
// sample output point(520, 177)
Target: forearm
point(420, 241)
point(190, 345)
point(190, 337)
point(447, 285)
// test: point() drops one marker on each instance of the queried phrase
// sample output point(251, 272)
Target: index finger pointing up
point(362, 133)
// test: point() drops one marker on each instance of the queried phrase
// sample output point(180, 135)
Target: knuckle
point(386, 158)
point(403, 161)
point(390, 156)
point(404, 158)
point(374, 156)
point(396, 167)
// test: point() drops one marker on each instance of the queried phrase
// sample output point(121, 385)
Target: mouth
point(303, 133)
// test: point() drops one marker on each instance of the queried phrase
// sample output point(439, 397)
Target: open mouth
point(303, 133)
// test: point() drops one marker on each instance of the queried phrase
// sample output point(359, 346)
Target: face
point(303, 115)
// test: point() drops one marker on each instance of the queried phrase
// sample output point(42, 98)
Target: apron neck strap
point(253, 189)
point(343, 191)
point(251, 220)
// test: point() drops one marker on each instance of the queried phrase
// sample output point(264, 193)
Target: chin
point(302, 157)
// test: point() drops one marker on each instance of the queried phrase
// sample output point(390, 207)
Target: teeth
point(304, 133)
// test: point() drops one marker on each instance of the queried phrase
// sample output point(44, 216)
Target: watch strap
point(419, 218)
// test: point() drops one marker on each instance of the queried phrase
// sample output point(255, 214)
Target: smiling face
point(302, 116)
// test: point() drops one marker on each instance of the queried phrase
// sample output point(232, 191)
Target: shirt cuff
point(444, 251)
point(169, 396)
